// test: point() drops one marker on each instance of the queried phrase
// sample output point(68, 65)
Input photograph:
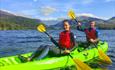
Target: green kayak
point(14, 63)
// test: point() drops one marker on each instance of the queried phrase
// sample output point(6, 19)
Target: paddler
point(91, 32)
point(64, 46)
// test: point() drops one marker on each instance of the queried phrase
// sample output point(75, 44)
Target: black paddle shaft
point(76, 20)
point(47, 34)
point(71, 56)
point(52, 39)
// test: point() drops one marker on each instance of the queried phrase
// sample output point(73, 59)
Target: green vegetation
point(13, 22)
point(17, 23)
point(106, 26)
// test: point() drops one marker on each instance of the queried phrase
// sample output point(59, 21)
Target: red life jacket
point(65, 40)
point(90, 34)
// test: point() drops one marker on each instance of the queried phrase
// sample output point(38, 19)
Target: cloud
point(87, 1)
point(30, 12)
point(7, 11)
point(109, 0)
point(47, 10)
point(91, 15)
point(16, 13)
point(35, 0)
point(86, 14)
point(49, 18)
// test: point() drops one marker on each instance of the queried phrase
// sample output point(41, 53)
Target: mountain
point(10, 21)
point(102, 24)
point(4, 13)
point(50, 22)
point(112, 20)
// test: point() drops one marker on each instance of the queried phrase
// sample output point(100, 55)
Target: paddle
point(102, 55)
point(79, 64)
point(41, 28)
point(71, 14)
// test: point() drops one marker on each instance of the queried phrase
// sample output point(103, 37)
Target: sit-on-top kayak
point(14, 63)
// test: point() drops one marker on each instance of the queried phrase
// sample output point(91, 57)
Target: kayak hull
point(14, 63)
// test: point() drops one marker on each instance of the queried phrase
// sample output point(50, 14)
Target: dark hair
point(65, 20)
point(91, 21)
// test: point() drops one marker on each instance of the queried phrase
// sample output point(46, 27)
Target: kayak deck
point(13, 62)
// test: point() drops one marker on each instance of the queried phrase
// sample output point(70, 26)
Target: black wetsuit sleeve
point(72, 41)
point(72, 38)
point(54, 42)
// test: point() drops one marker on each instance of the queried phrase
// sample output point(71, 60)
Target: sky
point(55, 9)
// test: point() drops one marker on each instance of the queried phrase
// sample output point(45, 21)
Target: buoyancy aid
point(90, 33)
point(65, 40)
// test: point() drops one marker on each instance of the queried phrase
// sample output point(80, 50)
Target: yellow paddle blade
point(80, 65)
point(41, 28)
point(78, 68)
point(71, 14)
point(104, 57)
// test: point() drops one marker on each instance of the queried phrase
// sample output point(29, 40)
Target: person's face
point(66, 26)
point(92, 24)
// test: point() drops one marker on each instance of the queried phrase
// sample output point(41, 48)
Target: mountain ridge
point(102, 24)
point(10, 21)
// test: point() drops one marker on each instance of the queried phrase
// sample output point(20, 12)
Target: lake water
point(22, 41)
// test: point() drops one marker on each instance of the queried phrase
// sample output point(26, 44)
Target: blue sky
point(53, 9)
